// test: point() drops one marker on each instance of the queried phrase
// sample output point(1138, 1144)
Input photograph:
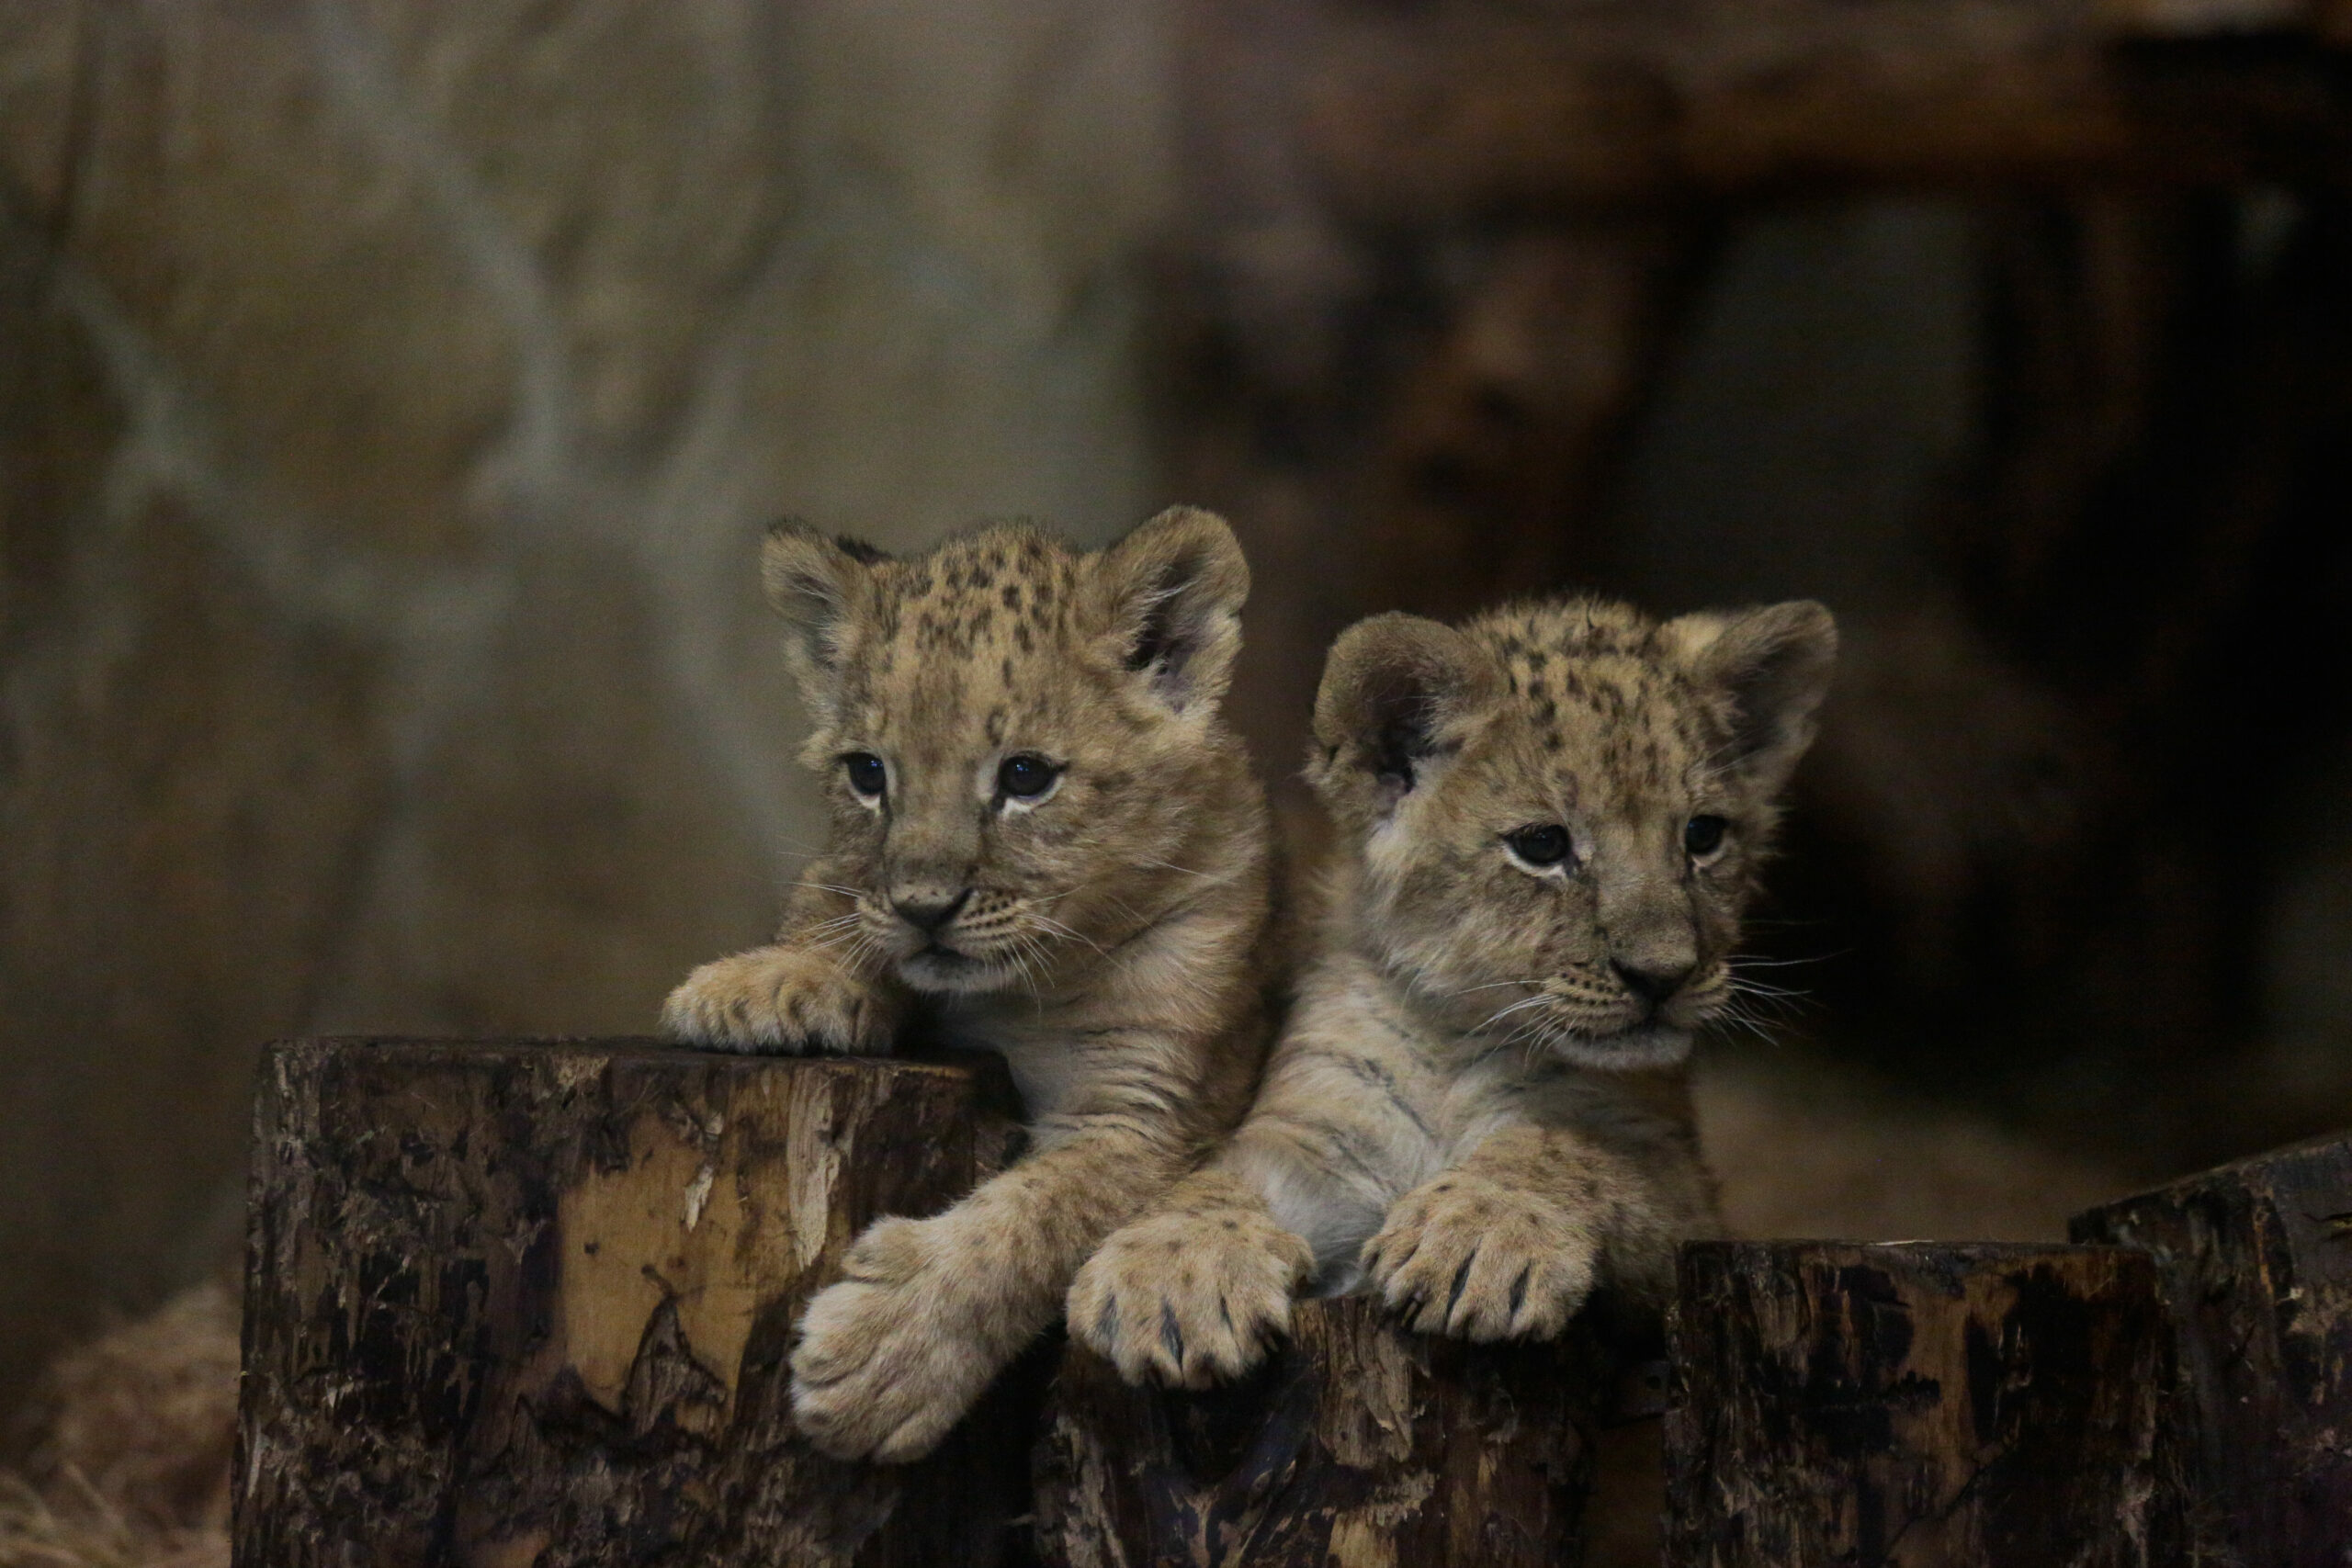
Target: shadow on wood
point(529, 1302)
point(1360, 1443)
point(1919, 1403)
point(2257, 1257)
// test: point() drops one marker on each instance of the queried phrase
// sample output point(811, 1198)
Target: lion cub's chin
point(941, 972)
point(1644, 1049)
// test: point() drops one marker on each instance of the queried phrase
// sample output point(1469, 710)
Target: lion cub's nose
point(930, 910)
point(1651, 982)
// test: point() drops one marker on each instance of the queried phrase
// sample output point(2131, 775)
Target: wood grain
point(1920, 1404)
point(2258, 1256)
point(1360, 1445)
point(527, 1303)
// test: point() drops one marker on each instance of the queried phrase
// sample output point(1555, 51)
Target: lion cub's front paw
point(778, 999)
point(1186, 1299)
point(1467, 1257)
point(886, 1363)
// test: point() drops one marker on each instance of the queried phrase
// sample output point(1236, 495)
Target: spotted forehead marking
point(1000, 587)
point(959, 637)
point(1598, 694)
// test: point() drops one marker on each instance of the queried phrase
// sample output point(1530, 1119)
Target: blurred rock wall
point(391, 394)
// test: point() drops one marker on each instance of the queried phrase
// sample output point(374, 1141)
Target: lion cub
point(1549, 820)
point(1045, 840)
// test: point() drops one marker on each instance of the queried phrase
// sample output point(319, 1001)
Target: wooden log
point(1359, 1443)
point(1921, 1403)
point(2258, 1261)
point(1411, 119)
point(529, 1302)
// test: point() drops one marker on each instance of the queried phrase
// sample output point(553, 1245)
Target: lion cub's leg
point(1509, 1241)
point(930, 1311)
point(1201, 1287)
point(788, 997)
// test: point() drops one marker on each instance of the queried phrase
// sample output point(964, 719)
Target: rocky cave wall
point(391, 395)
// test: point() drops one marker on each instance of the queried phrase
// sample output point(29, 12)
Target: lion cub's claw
point(881, 1371)
point(781, 1000)
point(1471, 1260)
point(1189, 1299)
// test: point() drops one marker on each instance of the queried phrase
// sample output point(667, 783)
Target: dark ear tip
point(1191, 542)
point(807, 576)
point(1395, 637)
point(788, 531)
point(1780, 660)
point(1802, 629)
point(1178, 522)
point(1193, 527)
point(1389, 624)
point(1809, 620)
point(1388, 658)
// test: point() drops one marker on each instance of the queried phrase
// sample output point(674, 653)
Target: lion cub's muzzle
point(930, 910)
point(963, 938)
point(1653, 984)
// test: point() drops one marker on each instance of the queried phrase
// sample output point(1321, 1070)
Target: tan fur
point(1479, 1108)
point(1109, 938)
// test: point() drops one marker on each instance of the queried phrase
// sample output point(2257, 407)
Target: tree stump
point(1360, 1443)
point(529, 1302)
point(2257, 1257)
point(1921, 1403)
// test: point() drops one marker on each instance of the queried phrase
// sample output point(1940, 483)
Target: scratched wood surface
point(1931, 1405)
point(1360, 1445)
point(2258, 1256)
point(527, 1303)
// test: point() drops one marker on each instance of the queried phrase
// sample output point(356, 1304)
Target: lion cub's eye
point(1025, 777)
point(1547, 845)
point(866, 775)
point(1702, 836)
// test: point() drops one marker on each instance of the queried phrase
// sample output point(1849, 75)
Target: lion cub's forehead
point(972, 644)
point(1005, 590)
point(1598, 692)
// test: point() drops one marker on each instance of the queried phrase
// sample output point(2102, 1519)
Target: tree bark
point(2257, 1257)
point(1921, 1403)
point(1360, 1443)
point(529, 1302)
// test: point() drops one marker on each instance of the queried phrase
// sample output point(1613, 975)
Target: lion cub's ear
point(815, 584)
point(1399, 695)
point(1775, 663)
point(1171, 593)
